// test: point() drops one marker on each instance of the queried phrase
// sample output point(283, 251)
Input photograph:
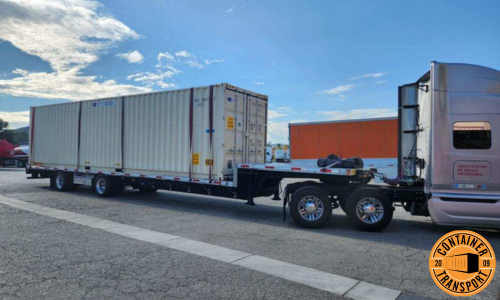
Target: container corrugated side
point(201, 132)
point(156, 138)
point(100, 134)
point(55, 135)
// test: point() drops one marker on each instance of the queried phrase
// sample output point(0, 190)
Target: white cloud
point(166, 57)
point(64, 85)
point(279, 112)
point(184, 53)
point(369, 75)
point(69, 35)
point(157, 78)
point(274, 114)
point(359, 113)
point(16, 119)
point(66, 34)
point(258, 82)
point(194, 64)
point(338, 89)
point(231, 9)
point(278, 131)
point(133, 57)
point(213, 61)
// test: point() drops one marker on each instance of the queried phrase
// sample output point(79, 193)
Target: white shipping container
point(201, 132)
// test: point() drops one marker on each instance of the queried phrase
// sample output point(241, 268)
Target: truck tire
point(369, 210)
point(310, 207)
point(63, 181)
point(103, 186)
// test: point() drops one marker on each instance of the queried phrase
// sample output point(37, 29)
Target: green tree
point(3, 125)
point(12, 136)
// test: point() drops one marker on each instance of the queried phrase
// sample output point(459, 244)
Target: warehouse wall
point(363, 138)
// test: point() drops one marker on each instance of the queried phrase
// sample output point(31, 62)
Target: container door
point(256, 130)
point(234, 138)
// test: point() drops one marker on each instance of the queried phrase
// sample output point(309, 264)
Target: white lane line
point(204, 249)
point(340, 285)
point(311, 277)
point(367, 291)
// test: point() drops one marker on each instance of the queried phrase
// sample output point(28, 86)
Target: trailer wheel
point(310, 207)
point(103, 186)
point(369, 210)
point(63, 181)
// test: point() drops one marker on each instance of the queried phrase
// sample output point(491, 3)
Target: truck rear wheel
point(310, 207)
point(369, 210)
point(103, 186)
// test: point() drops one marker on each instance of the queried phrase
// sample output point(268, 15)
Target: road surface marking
point(340, 285)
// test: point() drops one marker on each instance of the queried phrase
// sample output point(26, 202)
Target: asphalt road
point(46, 258)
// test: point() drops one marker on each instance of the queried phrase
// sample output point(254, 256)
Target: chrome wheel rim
point(370, 210)
point(100, 185)
point(311, 208)
point(60, 181)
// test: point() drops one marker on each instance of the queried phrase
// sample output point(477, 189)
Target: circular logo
point(462, 263)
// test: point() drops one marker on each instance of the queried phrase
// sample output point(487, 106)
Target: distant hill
point(22, 129)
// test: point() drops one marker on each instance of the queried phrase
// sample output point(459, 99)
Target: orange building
point(368, 138)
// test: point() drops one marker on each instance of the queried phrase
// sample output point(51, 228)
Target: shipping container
point(201, 132)
point(375, 140)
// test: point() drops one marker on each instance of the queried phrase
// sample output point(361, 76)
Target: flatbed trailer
point(448, 152)
point(369, 207)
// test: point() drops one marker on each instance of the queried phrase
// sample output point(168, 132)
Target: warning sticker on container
point(472, 171)
point(196, 159)
point(209, 162)
point(230, 123)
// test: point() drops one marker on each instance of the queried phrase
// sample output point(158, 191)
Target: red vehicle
point(11, 155)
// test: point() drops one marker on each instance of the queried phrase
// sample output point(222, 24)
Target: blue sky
point(317, 60)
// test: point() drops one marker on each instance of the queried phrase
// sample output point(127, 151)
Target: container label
point(472, 171)
point(196, 159)
point(230, 123)
point(209, 162)
point(103, 103)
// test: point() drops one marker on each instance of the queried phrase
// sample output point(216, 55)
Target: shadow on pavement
point(420, 234)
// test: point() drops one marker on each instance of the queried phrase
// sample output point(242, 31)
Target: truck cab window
point(472, 135)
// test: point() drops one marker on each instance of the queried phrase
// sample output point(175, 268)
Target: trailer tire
point(310, 207)
point(63, 181)
point(369, 210)
point(103, 186)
